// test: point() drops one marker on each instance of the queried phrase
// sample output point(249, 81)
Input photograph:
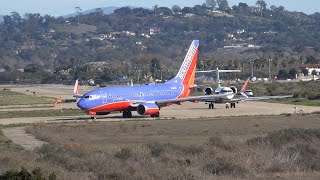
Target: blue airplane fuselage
point(118, 98)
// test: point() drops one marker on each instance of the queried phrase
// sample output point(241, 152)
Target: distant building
point(189, 15)
point(154, 30)
point(311, 67)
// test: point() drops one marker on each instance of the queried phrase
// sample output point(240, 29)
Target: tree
point(314, 73)
point(243, 7)
point(293, 72)
point(98, 11)
point(283, 74)
point(79, 12)
point(311, 60)
point(155, 67)
point(186, 10)
point(211, 3)
point(16, 17)
point(176, 9)
point(124, 11)
point(223, 5)
point(305, 72)
point(262, 4)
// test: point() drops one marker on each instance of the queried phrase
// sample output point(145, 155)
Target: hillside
point(105, 10)
point(141, 43)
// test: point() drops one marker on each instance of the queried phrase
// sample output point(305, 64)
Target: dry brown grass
point(218, 148)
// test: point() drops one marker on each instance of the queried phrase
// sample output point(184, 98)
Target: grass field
point(297, 101)
point(254, 147)
point(6, 144)
point(41, 113)
point(13, 98)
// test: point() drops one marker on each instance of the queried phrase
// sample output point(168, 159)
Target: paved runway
point(185, 111)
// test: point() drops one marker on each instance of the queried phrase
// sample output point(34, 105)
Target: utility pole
point(251, 62)
point(270, 68)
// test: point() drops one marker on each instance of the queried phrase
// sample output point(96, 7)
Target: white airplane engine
point(148, 109)
point(234, 89)
point(208, 91)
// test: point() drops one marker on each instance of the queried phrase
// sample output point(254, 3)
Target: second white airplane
point(232, 95)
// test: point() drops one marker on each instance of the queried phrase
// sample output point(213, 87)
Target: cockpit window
point(92, 97)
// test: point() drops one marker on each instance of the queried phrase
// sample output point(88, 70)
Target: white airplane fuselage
point(225, 91)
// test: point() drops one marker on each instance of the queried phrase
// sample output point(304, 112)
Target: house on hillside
point(154, 30)
point(310, 68)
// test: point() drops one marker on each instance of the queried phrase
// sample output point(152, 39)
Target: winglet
point(76, 89)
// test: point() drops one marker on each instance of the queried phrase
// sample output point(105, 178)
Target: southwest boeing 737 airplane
point(145, 99)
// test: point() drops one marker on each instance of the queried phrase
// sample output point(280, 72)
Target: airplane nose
point(82, 104)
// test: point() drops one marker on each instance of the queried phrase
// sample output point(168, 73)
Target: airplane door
point(141, 95)
point(104, 97)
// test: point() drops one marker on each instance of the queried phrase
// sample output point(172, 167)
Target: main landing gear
point(155, 115)
point(211, 106)
point(127, 114)
point(232, 105)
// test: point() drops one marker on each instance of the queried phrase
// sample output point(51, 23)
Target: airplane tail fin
point(187, 70)
point(76, 90)
point(244, 88)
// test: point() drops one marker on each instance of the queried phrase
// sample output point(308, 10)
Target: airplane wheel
point(155, 115)
point(209, 106)
point(233, 105)
point(127, 114)
point(93, 117)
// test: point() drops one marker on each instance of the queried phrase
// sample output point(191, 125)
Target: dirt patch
point(22, 137)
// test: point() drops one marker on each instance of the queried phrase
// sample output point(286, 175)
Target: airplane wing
point(190, 98)
point(215, 100)
point(215, 70)
point(260, 98)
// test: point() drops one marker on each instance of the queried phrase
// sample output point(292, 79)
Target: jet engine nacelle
point(208, 91)
point(148, 109)
point(234, 89)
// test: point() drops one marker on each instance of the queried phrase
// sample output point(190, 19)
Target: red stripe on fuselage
point(116, 106)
